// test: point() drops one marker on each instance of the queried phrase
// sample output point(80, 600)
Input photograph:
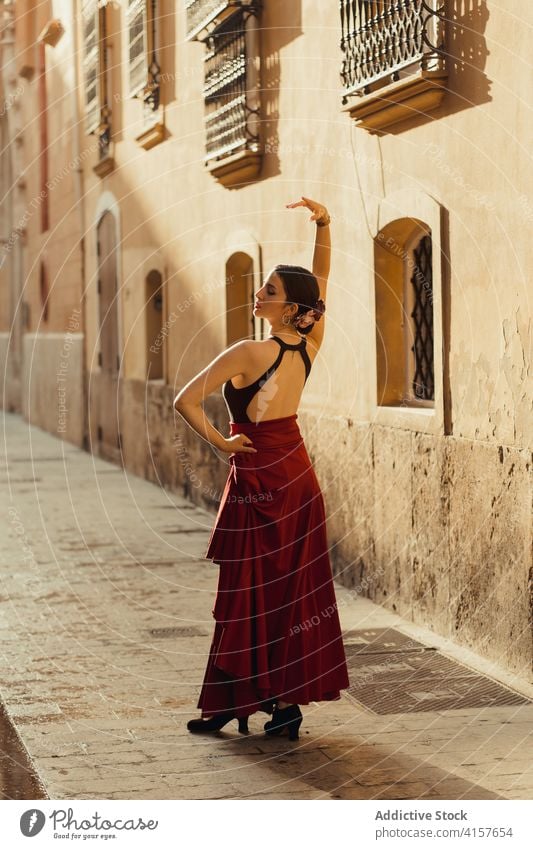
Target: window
point(143, 46)
point(239, 298)
point(96, 80)
point(90, 65)
point(144, 71)
point(393, 66)
point(412, 274)
point(136, 27)
point(404, 315)
point(231, 86)
point(225, 90)
point(419, 302)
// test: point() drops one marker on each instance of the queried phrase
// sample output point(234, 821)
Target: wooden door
point(109, 354)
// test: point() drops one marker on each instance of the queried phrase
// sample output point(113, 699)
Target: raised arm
point(321, 256)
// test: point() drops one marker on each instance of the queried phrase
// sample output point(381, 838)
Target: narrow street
point(105, 625)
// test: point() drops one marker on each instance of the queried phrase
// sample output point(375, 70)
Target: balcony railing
point(386, 40)
point(203, 16)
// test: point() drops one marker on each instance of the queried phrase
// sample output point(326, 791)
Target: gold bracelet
point(323, 223)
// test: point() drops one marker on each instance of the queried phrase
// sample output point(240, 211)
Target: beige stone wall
point(436, 529)
point(59, 245)
point(52, 384)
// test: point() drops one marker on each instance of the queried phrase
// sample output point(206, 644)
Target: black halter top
point(237, 400)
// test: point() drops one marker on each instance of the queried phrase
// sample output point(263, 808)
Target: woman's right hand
point(239, 443)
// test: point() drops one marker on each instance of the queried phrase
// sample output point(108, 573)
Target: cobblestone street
point(105, 627)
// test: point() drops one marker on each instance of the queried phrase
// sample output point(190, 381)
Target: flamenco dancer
point(277, 639)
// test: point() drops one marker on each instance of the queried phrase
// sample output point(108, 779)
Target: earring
point(286, 319)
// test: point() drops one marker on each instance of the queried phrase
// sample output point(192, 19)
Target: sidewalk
point(98, 570)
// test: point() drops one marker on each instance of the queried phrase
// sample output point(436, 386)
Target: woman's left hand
point(239, 443)
point(319, 210)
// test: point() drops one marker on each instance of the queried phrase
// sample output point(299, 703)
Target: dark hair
point(301, 288)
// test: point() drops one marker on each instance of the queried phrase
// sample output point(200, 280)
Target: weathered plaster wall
point(52, 383)
point(438, 530)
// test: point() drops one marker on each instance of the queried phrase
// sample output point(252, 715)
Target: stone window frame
point(421, 207)
point(245, 242)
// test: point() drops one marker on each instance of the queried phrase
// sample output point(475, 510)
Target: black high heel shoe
point(215, 723)
point(289, 717)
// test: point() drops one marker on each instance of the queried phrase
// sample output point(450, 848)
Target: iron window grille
point(421, 373)
point(231, 120)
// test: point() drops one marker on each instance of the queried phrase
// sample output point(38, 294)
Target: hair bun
point(320, 307)
point(312, 315)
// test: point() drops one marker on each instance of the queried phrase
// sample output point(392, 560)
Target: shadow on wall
point(166, 56)
point(281, 23)
point(466, 57)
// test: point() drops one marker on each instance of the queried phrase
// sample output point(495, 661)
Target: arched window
point(404, 314)
point(239, 297)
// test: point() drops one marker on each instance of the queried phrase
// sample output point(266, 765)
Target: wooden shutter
point(91, 64)
point(137, 45)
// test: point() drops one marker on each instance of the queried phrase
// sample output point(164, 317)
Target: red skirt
point(277, 631)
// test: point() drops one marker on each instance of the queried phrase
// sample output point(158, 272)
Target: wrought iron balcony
point(385, 42)
point(204, 16)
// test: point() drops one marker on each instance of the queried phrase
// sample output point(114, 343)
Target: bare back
point(270, 387)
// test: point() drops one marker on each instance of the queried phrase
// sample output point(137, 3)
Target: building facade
point(41, 334)
point(167, 138)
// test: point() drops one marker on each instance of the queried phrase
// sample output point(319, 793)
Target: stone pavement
point(95, 565)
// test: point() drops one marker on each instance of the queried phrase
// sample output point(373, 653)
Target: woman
point(277, 641)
